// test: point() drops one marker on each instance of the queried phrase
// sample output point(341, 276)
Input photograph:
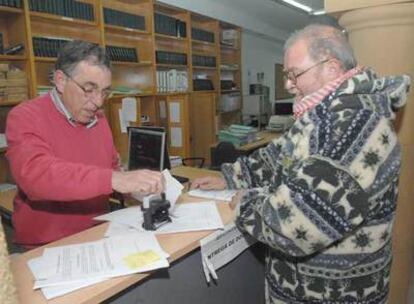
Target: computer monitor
point(146, 149)
point(165, 163)
point(283, 108)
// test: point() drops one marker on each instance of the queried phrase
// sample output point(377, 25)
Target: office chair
point(224, 152)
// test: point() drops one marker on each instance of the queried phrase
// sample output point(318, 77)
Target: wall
point(260, 55)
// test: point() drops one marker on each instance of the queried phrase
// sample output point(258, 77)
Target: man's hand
point(209, 183)
point(142, 181)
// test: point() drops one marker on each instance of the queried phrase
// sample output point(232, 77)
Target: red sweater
point(63, 172)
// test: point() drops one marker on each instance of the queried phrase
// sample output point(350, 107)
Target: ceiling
point(279, 15)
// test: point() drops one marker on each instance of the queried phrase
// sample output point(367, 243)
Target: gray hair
point(73, 52)
point(325, 41)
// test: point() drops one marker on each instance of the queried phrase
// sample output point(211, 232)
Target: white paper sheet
point(129, 108)
point(174, 108)
point(186, 217)
point(95, 260)
point(218, 195)
point(176, 139)
point(193, 217)
point(37, 264)
point(163, 109)
point(173, 188)
point(123, 123)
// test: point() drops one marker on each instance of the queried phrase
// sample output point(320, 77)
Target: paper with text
point(99, 259)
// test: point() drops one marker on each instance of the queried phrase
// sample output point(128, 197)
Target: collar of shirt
point(310, 101)
point(62, 109)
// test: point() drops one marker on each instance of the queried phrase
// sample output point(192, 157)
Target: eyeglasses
point(291, 76)
point(90, 91)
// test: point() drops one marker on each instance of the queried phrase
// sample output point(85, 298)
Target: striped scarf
point(310, 101)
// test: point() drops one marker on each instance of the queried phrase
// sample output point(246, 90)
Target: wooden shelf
point(10, 103)
point(164, 65)
point(124, 30)
point(13, 10)
point(229, 91)
point(134, 64)
point(12, 57)
point(45, 59)
point(229, 47)
point(167, 37)
point(205, 91)
point(198, 67)
point(195, 41)
point(61, 19)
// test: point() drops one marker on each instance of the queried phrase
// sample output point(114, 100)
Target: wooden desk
point(6, 202)
point(177, 245)
point(265, 138)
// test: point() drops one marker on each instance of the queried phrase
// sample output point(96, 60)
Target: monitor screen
point(282, 108)
point(146, 149)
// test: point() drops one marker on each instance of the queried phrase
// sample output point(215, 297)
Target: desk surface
point(6, 201)
point(177, 245)
point(265, 138)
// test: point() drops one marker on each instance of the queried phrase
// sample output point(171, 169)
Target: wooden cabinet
point(160, 52)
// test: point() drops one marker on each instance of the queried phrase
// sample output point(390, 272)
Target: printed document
point(111, 257)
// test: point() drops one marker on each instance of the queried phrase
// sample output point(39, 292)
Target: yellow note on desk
point(141, 259)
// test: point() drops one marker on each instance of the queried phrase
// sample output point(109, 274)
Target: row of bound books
point(202, 35)
point(207, 61)
point(172, 81)
point(124, 19)
point(170, 58)
point(1, 43)
point(170, 26)
point(11, 3)
point(203, 85)
point(66, 8)
point(47, 47)
point(117, 53)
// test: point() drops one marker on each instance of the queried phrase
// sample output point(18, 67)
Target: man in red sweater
point(61, 151)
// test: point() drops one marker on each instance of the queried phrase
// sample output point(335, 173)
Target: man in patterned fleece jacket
point(323, 196)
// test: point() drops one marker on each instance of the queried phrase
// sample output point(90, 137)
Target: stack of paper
point(185, 217)
point(66, 268)
point(219, 195)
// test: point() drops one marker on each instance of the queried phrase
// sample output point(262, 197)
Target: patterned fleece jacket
point(323, 196)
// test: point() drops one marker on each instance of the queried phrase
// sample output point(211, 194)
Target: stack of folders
point(123, 19)
point(202, 35)
point(66, 8)
point(63, 269)
point(170, 26)
point(124, 54)
point(47, 46)
point(172, 81)
point(238, 135)
point(11, 3)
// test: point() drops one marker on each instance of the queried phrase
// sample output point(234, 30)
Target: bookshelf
point(189, 53)
point(230, 71)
